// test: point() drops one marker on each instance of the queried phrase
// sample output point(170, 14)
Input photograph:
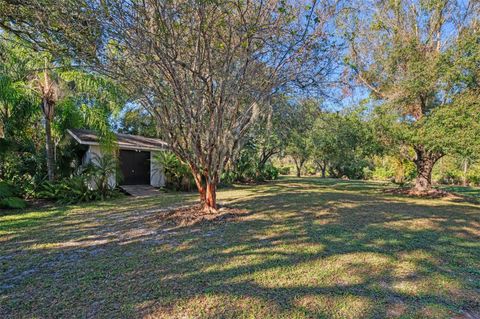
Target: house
point(136, 153)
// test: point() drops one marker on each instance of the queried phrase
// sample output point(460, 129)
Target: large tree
point(420, 59)
point(204, 69)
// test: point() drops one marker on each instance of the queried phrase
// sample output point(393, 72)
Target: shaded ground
point(469, 191)
point(306, 248)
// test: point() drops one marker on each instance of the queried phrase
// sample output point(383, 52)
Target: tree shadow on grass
point(300, 253)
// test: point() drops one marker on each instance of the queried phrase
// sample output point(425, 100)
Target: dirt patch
point(193, 215)
point(39, 203)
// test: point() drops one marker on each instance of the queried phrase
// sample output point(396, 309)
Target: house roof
point(124, 141)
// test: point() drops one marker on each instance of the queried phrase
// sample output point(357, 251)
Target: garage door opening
point(135, 167)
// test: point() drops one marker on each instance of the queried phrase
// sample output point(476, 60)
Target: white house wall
point(157, 176)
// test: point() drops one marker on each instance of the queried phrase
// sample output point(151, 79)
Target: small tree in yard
point(205, 69)
point(420, 60)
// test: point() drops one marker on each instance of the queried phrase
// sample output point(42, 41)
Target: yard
point(301, 248)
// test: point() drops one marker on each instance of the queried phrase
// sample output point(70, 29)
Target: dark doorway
point(135, 167)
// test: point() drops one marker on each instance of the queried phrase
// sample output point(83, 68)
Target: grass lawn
point(306, 248)
point(470, 191)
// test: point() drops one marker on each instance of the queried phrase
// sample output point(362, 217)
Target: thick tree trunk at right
point(50, 150)
point(425, 160)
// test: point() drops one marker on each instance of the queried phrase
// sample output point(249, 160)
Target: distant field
point(305, 248)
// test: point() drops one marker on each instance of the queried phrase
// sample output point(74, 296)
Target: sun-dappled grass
point(306, 248)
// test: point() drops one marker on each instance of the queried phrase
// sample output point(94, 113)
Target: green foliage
point(137, 121)
point(344, 141)
point(250, 167)
point(13, 202)
point(6, 190)
point(83, 100)
point(284, 170)
point(69, 191)
point(178, 175)
point(76, 189)
point(101, 171)
point(8, 197)
point(270, 172)
point(426, 86)
point(310, 169)
point(301, 118)
point(89, 183)
point(456, 170)
point(393, 168)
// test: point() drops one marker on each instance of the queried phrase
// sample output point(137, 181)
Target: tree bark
point(425, 160)
point(323, 167)
point(207, 189)
point(298, 166)
point(211, 196)
point(50, 150)
point(200, 187)
point(298, 170)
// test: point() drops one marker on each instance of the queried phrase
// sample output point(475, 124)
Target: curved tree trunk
point(425, 160)
point(50, 150)
point(199, 183)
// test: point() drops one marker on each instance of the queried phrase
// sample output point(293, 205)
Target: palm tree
point(47, 86)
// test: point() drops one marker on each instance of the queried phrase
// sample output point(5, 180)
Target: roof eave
point(120, 146)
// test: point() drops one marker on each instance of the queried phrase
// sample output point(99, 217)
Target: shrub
point(310, 169)
point(89, 184)
point(13, 202)
point(25, 170)
point(383, 173)
point(228, 178)
point(9, 197)
point(269, 172)
point(69, 191)
point(6, 190)
point(177, 174)
point(284, 170)
point(100, 171)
